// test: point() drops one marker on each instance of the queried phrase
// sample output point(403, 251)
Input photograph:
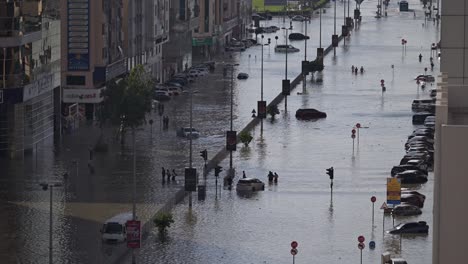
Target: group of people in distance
point(355, 69)
point(272, 177)
point(170, 176)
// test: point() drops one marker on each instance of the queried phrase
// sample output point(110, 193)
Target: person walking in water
point(420, 57)
point(352, 69)
point(276, 177)
point(243, 175)
point(168, 173)
point(174, 174)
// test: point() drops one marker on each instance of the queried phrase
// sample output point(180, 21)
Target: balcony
point(116, 69)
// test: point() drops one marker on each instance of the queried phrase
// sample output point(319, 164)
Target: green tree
point(273, 110)
point(245, 137)
point(163, 221)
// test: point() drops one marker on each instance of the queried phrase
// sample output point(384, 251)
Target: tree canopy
point(127, 101)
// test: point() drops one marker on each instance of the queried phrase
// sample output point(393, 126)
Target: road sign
point(294, 244)
point(358, 125)
point(384, 206)
point(361, 239)
point(372, 244)
point(361, 246)
point(133, 233)
point(353, 136)
point(393, 191)
point(293, 251)
point(373, 199)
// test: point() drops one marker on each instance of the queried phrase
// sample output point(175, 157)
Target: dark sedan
point(401, 168)
point(413, 199)
point(406, 209)
point(412, 177)
point(420, 227)
point(297, 36)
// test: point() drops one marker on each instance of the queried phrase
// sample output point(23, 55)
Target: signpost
point(373, 199)
point(353, 136)
point(393, 191)
point(358, 126)
point(294, 251)
point(383, 207)
point(133, 233)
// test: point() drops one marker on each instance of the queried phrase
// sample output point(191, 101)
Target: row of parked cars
point(414, 167)
point(179, 82)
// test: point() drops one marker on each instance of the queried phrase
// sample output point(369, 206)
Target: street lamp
point(231, 66)
point(50, 186)
point(261, 103)
point(286, 83)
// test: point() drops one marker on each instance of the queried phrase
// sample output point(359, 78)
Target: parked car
point(412, 177)
point(413, 199)
point(425, 78)
point(310, 113)
point(429, 140)
point(429, 121)
point(185, 132)
point(433, 93)
point(428, 146)
point(298, 36)
point(299, 18)
point(420, 164)
point(161, 95)
point(242, 76)
point(405, 209)
point(284, 48)
point(174, 90)
point(421, 104)
point(426, 159)
point(229, 48)
point(418, 118)
point(410, 228)
point(421, 196)
point(401, 168)
point(250, 184)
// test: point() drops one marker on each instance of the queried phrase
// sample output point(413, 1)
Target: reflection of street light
point(231, 66)
point(261, 85)
point(46, 186)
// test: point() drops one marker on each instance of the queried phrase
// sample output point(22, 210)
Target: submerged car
point(401, 168)
point(286, 48)
point(406, 209)
point(310, 113)
point(242, 76)
point(412, 177)
point(425, 78)
point(420, 227)
point(298, 36)
point(250, 184)
point(413, 199)
point(185, 132)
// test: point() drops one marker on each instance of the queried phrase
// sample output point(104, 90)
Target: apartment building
point(92, 49)
point(183, 20)
point(145, 30)
point(451, 166)
point(30, 74)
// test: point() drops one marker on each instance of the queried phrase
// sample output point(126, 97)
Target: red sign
point(358, 125)
point(361, 239)
point(293, 251)
point(361, 246)
point(133, 233)
point(353, 131)
point(353, 136)
point(294, 244)
point(373, 199)
point(382, 81)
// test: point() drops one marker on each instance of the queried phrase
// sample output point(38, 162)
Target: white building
point(451, 158)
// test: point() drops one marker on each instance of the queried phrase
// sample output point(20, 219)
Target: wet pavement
point(256, 229)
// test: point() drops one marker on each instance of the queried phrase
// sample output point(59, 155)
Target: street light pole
point(232, 95)
point(190, 140)
point(334, 29)
point(50, 226)
point(344, 22)
point(261, 90)
point(286, 72)
point(134, 188)
point(305, 59)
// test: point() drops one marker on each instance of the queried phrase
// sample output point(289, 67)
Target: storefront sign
point(393, 191)
point(78, 47)
point(86, 96)
point(39, 86)
point(196, 42)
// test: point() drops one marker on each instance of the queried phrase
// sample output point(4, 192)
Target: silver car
point(250, 184)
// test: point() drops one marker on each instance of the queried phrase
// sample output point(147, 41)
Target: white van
point(114, 230)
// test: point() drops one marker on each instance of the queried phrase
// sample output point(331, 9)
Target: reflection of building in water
point(29, 74)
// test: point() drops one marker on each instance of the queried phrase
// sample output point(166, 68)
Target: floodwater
point(257, 228)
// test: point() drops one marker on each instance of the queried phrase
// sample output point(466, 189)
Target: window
point(103, 28)
point(76, 80)
point(104, 52)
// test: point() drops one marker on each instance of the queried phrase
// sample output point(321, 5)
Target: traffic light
point(330, 172)
point(204, 154)
point(218, 169)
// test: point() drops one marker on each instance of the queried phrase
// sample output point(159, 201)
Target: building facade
point(92, 54)
point(451, 141)
point(183, 19)
point(30, 74)
point(145, 30)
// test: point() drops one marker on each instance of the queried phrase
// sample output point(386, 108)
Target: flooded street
point(259, 228)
